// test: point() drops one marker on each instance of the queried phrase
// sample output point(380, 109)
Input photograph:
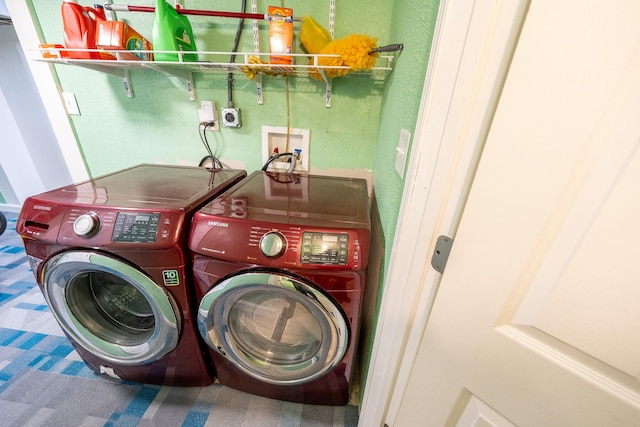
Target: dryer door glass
point(274, 326)
point(110, 308)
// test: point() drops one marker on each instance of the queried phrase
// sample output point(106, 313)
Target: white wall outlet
point(402, 151)
point(70, 103)
point(278, 140)
point(207, 113)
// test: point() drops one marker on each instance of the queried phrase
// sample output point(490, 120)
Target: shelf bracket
point(327, 82)
point(191, 88)
point(256, 49)
point(127, 84)
point(259, 89)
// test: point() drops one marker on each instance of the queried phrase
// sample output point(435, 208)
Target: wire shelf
point(120, 62)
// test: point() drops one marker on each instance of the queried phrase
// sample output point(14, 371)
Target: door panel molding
point(600, 374)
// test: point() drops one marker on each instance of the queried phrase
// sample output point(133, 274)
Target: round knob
point(86, 224)
point(273, 244)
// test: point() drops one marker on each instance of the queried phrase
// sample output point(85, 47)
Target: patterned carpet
point(43, 382)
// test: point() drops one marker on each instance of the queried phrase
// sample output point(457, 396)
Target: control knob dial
point(86, 224)
point(273, 244)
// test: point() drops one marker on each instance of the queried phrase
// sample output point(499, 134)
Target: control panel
point(111, 228)
point(279, 245)
point(316, 247)
point(324, 248)
point(136, 227)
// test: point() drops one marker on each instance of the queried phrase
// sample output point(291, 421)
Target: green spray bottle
point(172, 31)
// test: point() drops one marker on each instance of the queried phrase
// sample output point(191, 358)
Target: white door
point(537, 318)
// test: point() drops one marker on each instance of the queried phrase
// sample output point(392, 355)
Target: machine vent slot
point(34, 224)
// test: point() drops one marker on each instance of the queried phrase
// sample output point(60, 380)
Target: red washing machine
point(110, 256)
point(279, 266)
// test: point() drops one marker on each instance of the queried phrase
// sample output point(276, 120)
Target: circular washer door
point(274, 326)
point(110, 308)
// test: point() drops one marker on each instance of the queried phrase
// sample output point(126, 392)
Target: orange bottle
point(79, 24)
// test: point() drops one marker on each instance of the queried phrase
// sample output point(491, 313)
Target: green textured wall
point(413, 23)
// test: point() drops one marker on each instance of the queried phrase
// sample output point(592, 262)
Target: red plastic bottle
point(80, 29)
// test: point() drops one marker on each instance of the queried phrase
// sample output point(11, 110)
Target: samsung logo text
point(218, 224)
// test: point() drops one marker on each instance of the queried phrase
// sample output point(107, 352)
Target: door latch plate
point(441, 253)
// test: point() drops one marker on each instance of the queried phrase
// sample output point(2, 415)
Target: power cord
point(216, 164)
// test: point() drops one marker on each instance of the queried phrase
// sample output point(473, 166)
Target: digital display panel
point(136, 227)
point(324, 248)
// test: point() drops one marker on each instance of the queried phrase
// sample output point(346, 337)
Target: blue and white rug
point(43, 381)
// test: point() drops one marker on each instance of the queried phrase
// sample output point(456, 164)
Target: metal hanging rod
point(218, 13)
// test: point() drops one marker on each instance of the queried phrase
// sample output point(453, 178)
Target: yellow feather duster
point(355, 52)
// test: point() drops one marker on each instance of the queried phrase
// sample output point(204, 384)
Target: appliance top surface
point(281, 198)
point(147, 186)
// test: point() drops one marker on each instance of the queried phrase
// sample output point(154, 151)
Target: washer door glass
point(276, 327)
point(110, 308)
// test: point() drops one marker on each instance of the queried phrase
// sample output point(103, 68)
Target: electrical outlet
point(274, 140)
point(231, 118)
point(207, 113)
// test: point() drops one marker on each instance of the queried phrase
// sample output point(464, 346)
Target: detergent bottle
point(79, 23)
point(172, 31)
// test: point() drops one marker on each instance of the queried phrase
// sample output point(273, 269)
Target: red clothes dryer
point(110, 256)
point(279, 266)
